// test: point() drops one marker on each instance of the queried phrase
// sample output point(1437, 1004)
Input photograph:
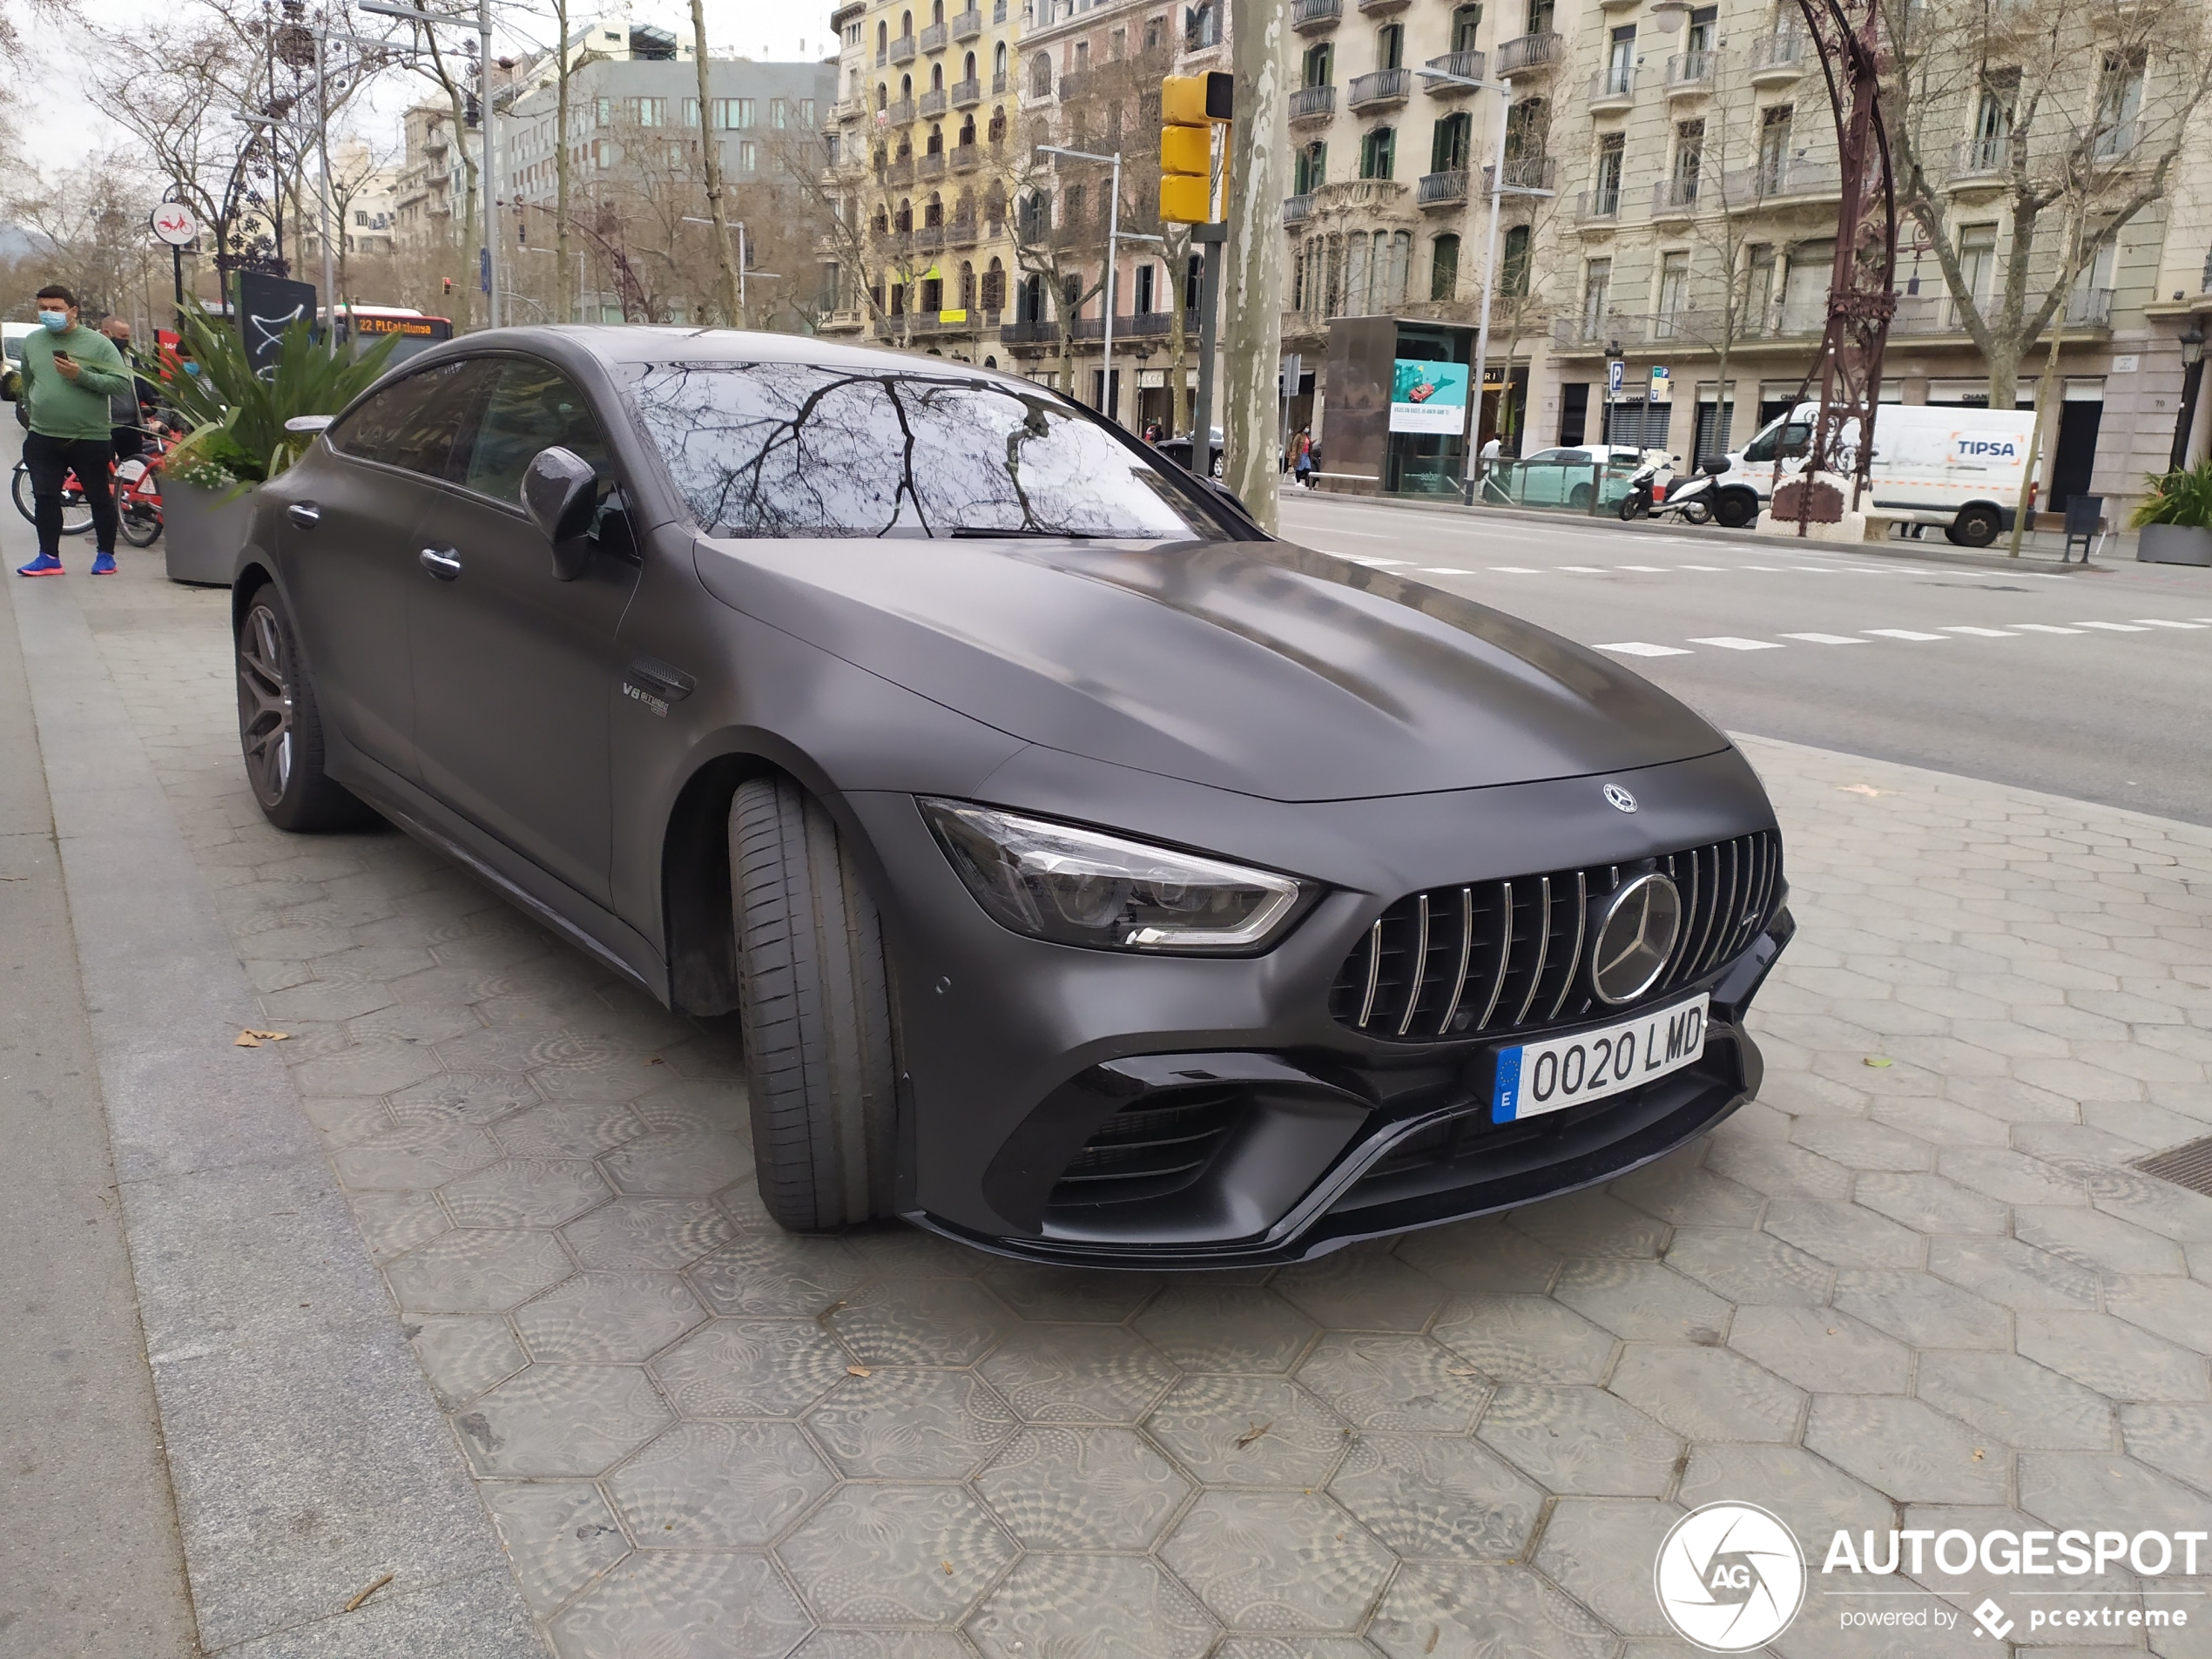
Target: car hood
point(1262, 667)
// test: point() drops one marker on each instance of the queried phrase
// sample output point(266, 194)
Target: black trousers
point(51, 461)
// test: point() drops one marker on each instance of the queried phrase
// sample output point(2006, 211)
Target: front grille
point(1144, 1152)
point(1501, 956)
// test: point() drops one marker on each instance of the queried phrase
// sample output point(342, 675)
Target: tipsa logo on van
point(1971, 448)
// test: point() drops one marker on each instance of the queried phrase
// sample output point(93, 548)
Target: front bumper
point(1016, 1053)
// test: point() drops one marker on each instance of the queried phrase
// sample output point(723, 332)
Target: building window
point(1041, 76)
point(1527, 130)
point(1977, 261)
point(1142, 307)
point(1378, 153)
point(1597, 287)
point(748, 156)
point(1774, 148)
point(1320, 63)
point(1450, 143)
point(1444, 268)
point(652, 111)
point(1513, 274)
point(1309, 168)
point(994, 286)
point(1466, 22)
point(1389, 46)
point(1621, 62)
point(1674, 294)
point(1605, 179)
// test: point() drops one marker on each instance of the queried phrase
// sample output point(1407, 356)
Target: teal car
point(1566, 477)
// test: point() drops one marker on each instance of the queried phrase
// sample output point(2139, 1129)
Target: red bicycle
point(137, 484)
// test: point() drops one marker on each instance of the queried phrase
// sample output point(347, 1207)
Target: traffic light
point(448, 282)
point(1189, 107)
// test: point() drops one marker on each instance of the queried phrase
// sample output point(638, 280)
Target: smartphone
point(63, 357)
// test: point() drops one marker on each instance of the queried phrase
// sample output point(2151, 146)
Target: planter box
point(2173, 545)
point(202, 531)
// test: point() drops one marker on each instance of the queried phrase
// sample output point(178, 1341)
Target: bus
point(418, 331)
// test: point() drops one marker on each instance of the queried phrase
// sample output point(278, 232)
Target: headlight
point(1079, 886)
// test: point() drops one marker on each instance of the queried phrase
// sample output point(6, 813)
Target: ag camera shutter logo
point(1729, 1577)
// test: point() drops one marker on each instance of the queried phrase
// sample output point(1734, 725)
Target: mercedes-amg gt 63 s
point(1096, 879)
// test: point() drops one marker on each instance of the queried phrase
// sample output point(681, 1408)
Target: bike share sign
point(173, 222)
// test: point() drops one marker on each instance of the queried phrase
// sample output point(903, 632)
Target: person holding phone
point(69, 372)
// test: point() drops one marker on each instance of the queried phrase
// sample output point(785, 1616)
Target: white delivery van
point(1959, 469)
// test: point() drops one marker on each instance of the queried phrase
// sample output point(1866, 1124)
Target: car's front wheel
point(814, 1005)
point(279, 725)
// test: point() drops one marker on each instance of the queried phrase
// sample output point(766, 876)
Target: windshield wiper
point(975, 532)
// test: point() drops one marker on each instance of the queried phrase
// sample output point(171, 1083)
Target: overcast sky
point(57, 101)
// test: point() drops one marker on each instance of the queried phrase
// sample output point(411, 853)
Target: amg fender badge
point(640, 694)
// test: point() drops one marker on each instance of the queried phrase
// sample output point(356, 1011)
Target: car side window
point(414, 423)
point(532, 407)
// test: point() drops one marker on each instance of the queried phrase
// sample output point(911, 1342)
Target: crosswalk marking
point(1516, 570)
point(2117, 627)
point(1730, 641)
point(1771, 570)
point(1649, 570)
point(1705, 567)
point(2162, 622)
point(1828, 639)
point(1584, 570)
point(1638, 648)
point(2045, 628)
point(1902, 633)
point(1978, 633)
point(1444, 569)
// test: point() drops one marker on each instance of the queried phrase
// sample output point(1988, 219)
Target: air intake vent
point(1158, 1146)
point(1499, 956)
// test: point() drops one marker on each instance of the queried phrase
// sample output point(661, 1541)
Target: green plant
point(2182, 497)
point(238, 416)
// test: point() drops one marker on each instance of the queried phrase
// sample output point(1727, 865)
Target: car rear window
point(807, 450)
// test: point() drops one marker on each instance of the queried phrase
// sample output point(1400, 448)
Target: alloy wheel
point(264, 705)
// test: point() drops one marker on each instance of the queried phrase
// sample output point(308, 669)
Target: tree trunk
point(712, 156)
point(2046, 392)
point(469, 168)
point(1252, 435)
point(567, 297)
point(1178, 247)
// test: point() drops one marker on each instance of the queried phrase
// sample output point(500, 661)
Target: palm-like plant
point(2182, 498)
point(237, 415)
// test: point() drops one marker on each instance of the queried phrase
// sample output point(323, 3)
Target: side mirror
point(560, 492)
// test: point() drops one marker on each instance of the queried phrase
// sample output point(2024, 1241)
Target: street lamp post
point(765, 276)
point(431, 20)
point(1113, 250)
point(1497, 191)
point(2192, 385)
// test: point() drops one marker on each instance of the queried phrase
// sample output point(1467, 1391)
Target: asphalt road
point(2095, 684)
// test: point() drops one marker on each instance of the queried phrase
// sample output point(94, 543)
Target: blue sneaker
point(45, 564)
point(103, 564)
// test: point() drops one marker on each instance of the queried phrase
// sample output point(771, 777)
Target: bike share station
point(1398, 407)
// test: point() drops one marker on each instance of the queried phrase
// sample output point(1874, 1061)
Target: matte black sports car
point(1097, 880)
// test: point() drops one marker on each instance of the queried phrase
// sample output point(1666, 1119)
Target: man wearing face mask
point(69, 372)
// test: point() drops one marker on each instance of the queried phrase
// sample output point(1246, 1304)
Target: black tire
point(279, 725)
point(1975, 527)
point(814, 1006)
point(140, 524)
point(1734, 511)
point(76, 517)
point(1579, 498)
point(1696, 512)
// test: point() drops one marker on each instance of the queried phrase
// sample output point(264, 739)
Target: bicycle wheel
point(77, 516)
point(23, 503)
point(140, 523)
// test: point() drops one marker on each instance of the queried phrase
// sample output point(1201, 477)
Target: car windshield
point(806, 449)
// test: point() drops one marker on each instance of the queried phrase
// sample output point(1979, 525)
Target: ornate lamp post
point(2192, 383)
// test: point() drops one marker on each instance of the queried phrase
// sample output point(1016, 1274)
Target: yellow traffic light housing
point(1191, 107)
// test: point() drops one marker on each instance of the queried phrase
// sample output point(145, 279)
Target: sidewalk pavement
point(1917, 1284)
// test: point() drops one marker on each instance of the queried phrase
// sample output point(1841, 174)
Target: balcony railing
point(1073, 84)
point(2089, 308)
point(1467, 65)
point(882, 56)
point(968, 24)
point(1672, 198)
point(966, 157)
point(1140, 325)
point(1296, 209)
point(929, 239)
point(932, 102)
point(1313, 102)
point(1309, 15)
point(901, 111)
point(966, 94)
point(1690, 73)
point(930, 164)
point(1526, 173)
point(959, 232)
point(999, 84)
point(1526, 54)
point(1030, 331)
point(1985, 159)
point(902, 50)
point(901, 172)
point(933, 37)
point(1612, 88)
point(849, 109)
point(1381, 8)
point(1442, 189)
point(2114, 142)
point(1778, 57)
point(1595, 206)
point(1383, 86)
point(1586, 331)
point(1781, 181)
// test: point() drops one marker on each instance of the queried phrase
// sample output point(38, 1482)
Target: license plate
point(1534, 1078)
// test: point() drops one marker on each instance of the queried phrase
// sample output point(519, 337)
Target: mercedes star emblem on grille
point(1636, 938)
point(1620, 800)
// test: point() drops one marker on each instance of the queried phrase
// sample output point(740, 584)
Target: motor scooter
point(1647, 487)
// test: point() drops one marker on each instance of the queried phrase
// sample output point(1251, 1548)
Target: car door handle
point(304, 514)
point(672, 683)
point(440, 562)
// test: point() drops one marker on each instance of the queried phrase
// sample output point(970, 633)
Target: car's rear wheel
point(1735, 509)
point(279, 725)
point(814, 1005)
point(1975, 527)
point(1579, 498)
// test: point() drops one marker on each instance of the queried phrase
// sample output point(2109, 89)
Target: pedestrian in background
point(1302, 456)
point(69, 372)
point(132, 411)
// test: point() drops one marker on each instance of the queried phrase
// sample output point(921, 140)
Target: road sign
point(1616, 373)
point(173, 222)
point(1662, 385)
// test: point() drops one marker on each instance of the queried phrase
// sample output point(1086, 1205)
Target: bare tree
point(711, 154)
point(92, 223)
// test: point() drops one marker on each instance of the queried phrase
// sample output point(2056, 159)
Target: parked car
point(1960, 469)
point(1569, 476)
point(1093, 878)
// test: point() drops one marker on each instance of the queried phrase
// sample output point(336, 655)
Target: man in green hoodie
point(69, 374)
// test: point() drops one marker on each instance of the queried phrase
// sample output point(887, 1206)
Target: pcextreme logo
point(1729, 1577)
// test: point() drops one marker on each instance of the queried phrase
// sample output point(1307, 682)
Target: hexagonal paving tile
point(561, 1419)
point(776, 1273)
point(750, 1368)
point(1131, 1610)
point(2017, 1275)
point(568, 1128)
point(648, 1233)
point(463, 1097)
point(464, 1354)
point(1249, 1431)
point(1078, 1373)
point(1708, 1393)
point(1072, 1295)
point(1821, 1348)
point(1590, 1223)
point(1744, 1266)
point(1362, 1288)
point(1524, 1338)
point(896, 1554)
point(911, 1425)
point(1922, 1310)
point(711, 1484)
point(1081, 1489)
point(2016, 1401)
point(1581, 1440)
point(413, 1155)
point(1904, 1449)
point(2117, 1359)
point(1225, 1327)
point(1394, 1382)
point(1438, 1496)
point(1811, 1495)
point(1277, 1560)
point(525, 1192)
point(676, 1163)
point(559, 1534)
point(1481, 1255)
point(2177, 1439)
point(1589, 1542)
point(717, 1602)
point(1640, 1299)
point(922, 1322)
point(608, 1315)
point(477, 1269)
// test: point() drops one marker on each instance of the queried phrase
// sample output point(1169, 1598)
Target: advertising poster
point(1428, 397)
